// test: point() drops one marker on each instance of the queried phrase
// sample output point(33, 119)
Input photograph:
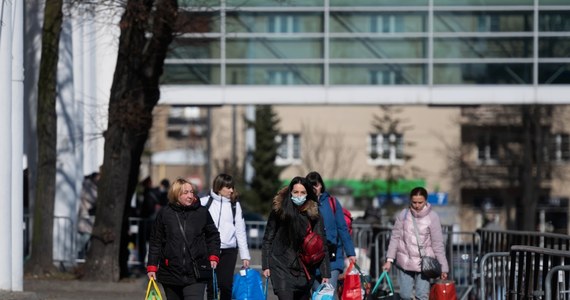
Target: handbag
point(443, 290)
point(429, 266)
point(325, 291)
point(312, 249)
point(201, 268)
point(152, 291)
point(383, 294)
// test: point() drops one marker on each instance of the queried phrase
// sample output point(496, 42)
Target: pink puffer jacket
point(403, 246)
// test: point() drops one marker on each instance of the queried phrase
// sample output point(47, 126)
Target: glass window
point(386, 149)
point(504, 73)
point(194, 48)
point(483, 47)
point(282, 74)
point(552, 47)
point(374, 74)
point(377, 22)
point(378, 3)
point(289, 149)
point(481, 2)
point(487, 149)
point(560, 148)
point(244, 3)
point(554, 21)
point(197, 22)
point(191, 74)
point(201, 3)
point(378, 48)
point(259, 48)
point(289, 22)
point(554, 73)
point(482, 21)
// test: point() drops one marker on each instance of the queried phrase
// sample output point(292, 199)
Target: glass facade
point(371, 42)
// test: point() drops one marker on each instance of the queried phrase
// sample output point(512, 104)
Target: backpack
point(345, 212)
point(233, 207)
point(313, 248)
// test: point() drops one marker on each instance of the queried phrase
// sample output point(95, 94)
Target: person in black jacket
point(294, 209)
point(171, 253)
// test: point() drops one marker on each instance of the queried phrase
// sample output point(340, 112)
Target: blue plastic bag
point(325, 291)
point(247, 285)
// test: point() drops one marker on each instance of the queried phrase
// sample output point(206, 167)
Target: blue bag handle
point(265, 287)
point(214, 284)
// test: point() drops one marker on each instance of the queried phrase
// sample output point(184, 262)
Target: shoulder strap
point(234, 205)
point(417, 237)
point(332, 202)
point(209, 202)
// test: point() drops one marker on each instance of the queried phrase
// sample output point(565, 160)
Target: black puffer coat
point(167, 249)
point(281, 257)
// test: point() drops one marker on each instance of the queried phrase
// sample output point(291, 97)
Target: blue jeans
point(333, 281)
point(407, 279)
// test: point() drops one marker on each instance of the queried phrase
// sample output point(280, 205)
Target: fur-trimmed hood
point(310, 207)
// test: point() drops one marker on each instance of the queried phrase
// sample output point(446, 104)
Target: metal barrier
point(529, 269)
point(502, 240)
point(494, 268)
point(560, 276)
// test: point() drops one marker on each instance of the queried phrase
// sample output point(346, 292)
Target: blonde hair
point(176, 189)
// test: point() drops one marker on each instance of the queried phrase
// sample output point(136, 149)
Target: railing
point(493, 281)
point(559, 275)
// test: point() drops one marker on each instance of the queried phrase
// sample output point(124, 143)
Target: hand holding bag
point(443, 290)
point(430, 267)
point(152, 291)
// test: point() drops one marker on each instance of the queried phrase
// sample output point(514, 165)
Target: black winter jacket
point(279, 255)
point(167, 248)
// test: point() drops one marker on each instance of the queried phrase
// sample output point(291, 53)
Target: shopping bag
point(325, 291)
point(384, 293)
point(247, 285)
point(152, 291)
point(353, 288)
point(443, 290)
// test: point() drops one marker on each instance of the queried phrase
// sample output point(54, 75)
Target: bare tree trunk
point(146, 33)
point(41, 258)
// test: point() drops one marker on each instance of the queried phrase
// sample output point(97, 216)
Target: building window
point(384, 77)
point(289, 149)
point(560, 149)
point(386, 149)
point(489, 23)
point(281, 77)
point(386, 23)
point(283, 24)
point(487, 149)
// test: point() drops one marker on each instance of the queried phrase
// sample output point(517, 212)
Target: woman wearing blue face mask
point(294, 210)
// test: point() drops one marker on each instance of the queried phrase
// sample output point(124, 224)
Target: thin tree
point(392, 125)
point(147, 29)
point(41, 258)
point(265, 182)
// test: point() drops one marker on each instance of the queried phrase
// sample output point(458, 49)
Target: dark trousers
point(225, 274)
point(184, 292)
point(292, 295)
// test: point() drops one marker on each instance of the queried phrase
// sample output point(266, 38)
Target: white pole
point(249, 144)
point(18, 149)
point(6, 148)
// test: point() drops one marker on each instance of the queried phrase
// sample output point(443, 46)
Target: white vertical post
point(6, 134)
point(18, 149)
point(249, 144)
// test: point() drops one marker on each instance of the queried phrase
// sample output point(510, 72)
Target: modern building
point(325, 65)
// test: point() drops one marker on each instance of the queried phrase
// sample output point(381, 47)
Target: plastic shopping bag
point(152, 291)
point(353, 286)
point(248, 285)
point(325, 291)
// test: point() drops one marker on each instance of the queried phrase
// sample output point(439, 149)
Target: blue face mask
point(299, 200)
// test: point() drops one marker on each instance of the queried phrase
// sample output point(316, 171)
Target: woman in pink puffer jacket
point(403, 248)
